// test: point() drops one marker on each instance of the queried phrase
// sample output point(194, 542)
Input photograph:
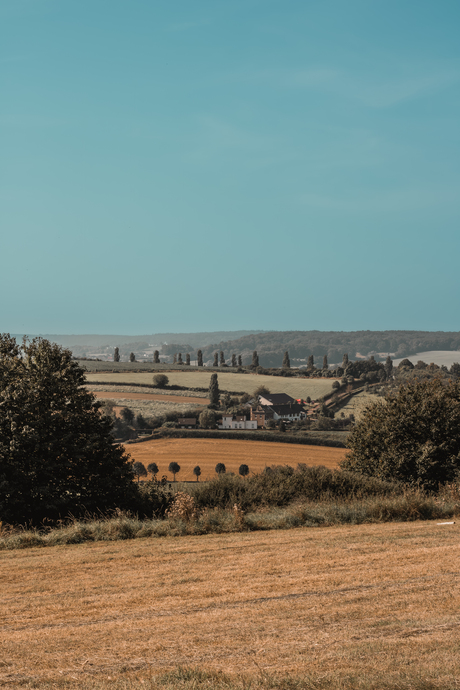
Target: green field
point(296, 387)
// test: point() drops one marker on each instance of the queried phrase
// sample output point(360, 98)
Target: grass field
point(207, 452)
point(297, 388)
point(370, 606)
point(357, 403)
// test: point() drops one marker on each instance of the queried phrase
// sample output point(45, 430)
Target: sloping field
point(439, 357)
point(174, 399)
point(297, 388)
point(362, 602)
point(207, 452)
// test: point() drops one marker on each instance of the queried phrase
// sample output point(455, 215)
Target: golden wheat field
point(207, 452)
point(297, 388)
point(369, 601)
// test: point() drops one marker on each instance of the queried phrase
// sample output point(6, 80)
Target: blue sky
point(207, 165)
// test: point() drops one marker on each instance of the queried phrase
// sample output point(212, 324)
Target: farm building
point(187, 422)
point(237, 422)
point(276, 399)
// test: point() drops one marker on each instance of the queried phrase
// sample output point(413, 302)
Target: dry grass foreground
point(207, 452)
point(365, 602)
point(297, 388)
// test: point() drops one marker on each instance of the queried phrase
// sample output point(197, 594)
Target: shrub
point(160, 380)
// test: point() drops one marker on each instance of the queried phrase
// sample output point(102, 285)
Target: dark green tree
point(222, 359)
point(127, 415)
point(207, 419)
point(153, 469)
point(174, 467)
point(345, 362)
point(255, 359)
point(156, 357)
point(216, 359)
point(261, 390)
point(282, 426)
point(197, 472)
point(412, 436)
point(220, 468)
point(214, 393)
point(240, 361)
point(141, 422)
point(243, 470)
point(286, 361)
point(455, 370)
point(388, 366)
point(132, 357)
point(57, 455)
point(325, 364)
point(199, 356)
point(139, 470)
point(160, 380)
point(116, 355)
point(310, 362)
point(233, 360)
point(179, 359)
point(187, 359)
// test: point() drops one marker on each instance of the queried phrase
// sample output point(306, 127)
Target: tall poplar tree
point(199, 356)
point(214, 393)
point(116, 355)
point(286, 361)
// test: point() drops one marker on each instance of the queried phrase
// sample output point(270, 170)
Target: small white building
point(237, 422)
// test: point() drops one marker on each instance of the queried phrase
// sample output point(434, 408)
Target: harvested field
point(174, 399)
point(361, 606)
point(207, 452)
point(297, 388)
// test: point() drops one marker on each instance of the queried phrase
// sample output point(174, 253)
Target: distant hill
point(271, 345)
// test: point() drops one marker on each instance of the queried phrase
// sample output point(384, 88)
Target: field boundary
point(237, 435)
point(164, 391)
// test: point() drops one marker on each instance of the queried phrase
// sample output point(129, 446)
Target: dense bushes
point(283, 484)
point(249, 436)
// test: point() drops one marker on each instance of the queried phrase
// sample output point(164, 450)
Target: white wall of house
point(229, 423)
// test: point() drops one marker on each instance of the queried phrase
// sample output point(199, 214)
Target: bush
point(413, 436)
point(160, 380)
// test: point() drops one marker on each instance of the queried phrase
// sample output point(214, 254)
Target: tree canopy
point(57, 454)
point(412, 436)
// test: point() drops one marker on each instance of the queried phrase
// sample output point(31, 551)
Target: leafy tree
point(141, 422)
point(127, 415)
point(336, 385)
point(286, 361)
point(240, 361)
point(261, 390)
point(216, 359)
point(116, 355)
point(233, 360)
point(199, 356)
point(153, 469)
point(179, 359)
point(255, 359)
point(214, 393)
point(132, 357)
point(405, 364)
point(325, 364)
point(156, 357)
point(57, 454)
point(388, 366)
point(345, 361)
point(310, 362)
point(197, 472)
point(220, 468)
point(207, 419)
point(160, 380)
point(222, 358)
point(413, 436)
point(139, 470)
point(243, 470)
point(187, 359)
point(174, 467)
point(455, 369)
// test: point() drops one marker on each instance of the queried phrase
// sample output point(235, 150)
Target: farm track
point(370, 601)
point(207, 452)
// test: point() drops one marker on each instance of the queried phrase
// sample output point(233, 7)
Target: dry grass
point(358, 403)
point(373, 606)
point(207, 452)
point(297, 388)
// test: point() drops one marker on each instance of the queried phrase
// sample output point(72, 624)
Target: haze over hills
point(270, 345)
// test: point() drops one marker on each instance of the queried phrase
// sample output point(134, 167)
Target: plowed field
point(207, 452)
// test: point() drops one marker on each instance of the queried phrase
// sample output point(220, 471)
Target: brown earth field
point(207, 452)
point(147, 396)
point(353, 606)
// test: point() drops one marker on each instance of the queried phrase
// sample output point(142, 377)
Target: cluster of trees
point(140, 470)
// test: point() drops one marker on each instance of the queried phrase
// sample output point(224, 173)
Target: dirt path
point(176, 399)
point(207, 452)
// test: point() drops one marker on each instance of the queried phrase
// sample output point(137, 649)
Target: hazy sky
point(199, 165)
